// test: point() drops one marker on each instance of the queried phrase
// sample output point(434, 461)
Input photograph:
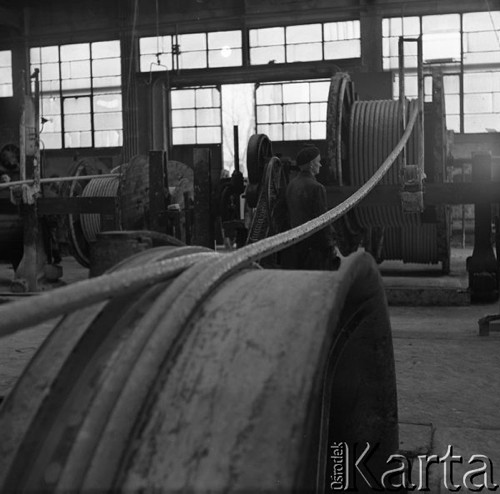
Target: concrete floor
point(448, 377)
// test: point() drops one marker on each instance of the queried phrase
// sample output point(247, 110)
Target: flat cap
point(306, 155)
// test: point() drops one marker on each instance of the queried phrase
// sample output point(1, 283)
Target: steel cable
point(97, 187)
point(45, 306)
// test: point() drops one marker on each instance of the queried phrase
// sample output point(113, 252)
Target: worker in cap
point(306, 200)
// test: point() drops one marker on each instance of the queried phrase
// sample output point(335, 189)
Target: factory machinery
point(184, 369)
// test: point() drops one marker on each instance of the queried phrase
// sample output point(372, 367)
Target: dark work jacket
point(306, 199)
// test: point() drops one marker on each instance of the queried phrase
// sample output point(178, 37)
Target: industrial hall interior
point(249, 246)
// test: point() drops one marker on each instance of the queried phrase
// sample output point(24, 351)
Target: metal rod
point(402, 95)
point(57, 179)
point(420, 77)
point(236, 148)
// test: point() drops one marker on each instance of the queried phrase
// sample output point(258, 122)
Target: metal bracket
point(412, 194)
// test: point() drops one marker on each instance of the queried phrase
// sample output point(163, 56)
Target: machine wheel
point(244, 392)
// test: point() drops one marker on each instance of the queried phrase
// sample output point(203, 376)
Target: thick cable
point(40, 308)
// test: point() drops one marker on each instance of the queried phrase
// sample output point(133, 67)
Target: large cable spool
point(97, 187)
point(341, 97)
point(360, 136)
point(135, 394)
point(375, 129)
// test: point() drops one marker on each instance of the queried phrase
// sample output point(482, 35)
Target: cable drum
point(97, 187)
point(374, 131)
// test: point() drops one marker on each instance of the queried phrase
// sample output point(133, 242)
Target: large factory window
point(80, 94)
point(305, 42)
point(5, 74)
point(466, 48)
point(196, 115)
point(481, 43)
point(191, 51)
point(289, 111)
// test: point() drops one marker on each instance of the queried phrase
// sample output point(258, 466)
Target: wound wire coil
point(97, 187)
point(375, 130)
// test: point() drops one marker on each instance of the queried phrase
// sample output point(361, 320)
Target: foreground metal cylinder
point(248, 394)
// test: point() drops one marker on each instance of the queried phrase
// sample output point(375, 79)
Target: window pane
point(192, 42)
point(482, 123)
point(106, 82)
point(150, 63)
point(295, 132)
point(75, 52)
point(451, 84)
point(183, 118)
point(318, 111)
point(318, 130)
point(273, 36)
point(49, 54)
point(481, 21)
point(154, 45)
point(342, 49)
point(297, 113)
point(77, 139)
point(269, 113)
point(193, 60)
point(225, 57)
point(303, 34)
point(76, 105)
point(441, 23)
point(441, 46)
point(485, 41)
point(106, 49)
point(207, 97)
point(452, 104)
point(453, 122)
point(107, 102)
point(478, 103)
point(6, 89)
point(106, 67)
point(208, 117)
point(52, 125)
point(269, 93)
point(76, 70)
point(76, 84)
point(184, 136)
point(274, 132)
point(182, 98)
point(5, 58)
point(296, 92)
point(208, 135)
point(51, 140)
point(478, 82)
point(319, 90)
point(49, 72)
point(337, 31)
point(108, 121)
point(50, 106)
point(108, 138)
point(77, 122)
point(304, 53)
point(275, 54)
point(224, 39)
point(491, 57)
